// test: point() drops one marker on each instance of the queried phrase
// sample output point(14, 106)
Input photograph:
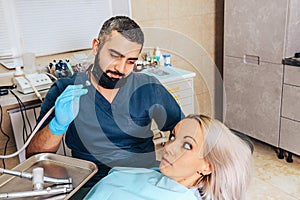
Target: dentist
point(108, 122)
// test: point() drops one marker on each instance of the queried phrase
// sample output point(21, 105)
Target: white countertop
point(10, 99)
point(168, 74)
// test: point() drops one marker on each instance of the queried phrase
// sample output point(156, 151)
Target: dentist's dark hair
point(125, 26)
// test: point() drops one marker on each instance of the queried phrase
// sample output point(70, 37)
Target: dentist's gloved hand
point(66, 108)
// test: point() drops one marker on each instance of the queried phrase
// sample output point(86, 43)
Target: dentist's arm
point(66, 109)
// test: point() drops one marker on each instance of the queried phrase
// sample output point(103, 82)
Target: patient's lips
point(165, 161)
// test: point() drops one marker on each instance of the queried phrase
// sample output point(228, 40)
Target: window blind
point(52, 26)
point(5, 42)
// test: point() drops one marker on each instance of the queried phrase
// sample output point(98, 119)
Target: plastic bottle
point(158, 55)
point(167, 60)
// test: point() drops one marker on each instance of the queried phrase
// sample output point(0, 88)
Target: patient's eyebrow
point(190, 138)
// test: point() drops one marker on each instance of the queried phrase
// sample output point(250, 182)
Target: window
point(53, 26)
point(5, 50)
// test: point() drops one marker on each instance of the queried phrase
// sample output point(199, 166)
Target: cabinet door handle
point(174, 89)
point(176, 96)
point(251, 59)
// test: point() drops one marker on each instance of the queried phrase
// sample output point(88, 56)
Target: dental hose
point(87, 84)
point(30, 137)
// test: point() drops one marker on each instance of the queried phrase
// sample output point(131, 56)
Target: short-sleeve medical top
point(117, 133)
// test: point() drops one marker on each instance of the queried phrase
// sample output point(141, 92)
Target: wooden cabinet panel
point(290, 136)
point(252, 98)
point(290, 114)
point(255, 28)
point(291, 102)
point(293, 31)
point(292, 75)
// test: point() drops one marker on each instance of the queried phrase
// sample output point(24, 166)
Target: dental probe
point(29, 176)
point(47, 191)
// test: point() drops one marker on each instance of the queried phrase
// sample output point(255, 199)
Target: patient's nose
point(170, 147)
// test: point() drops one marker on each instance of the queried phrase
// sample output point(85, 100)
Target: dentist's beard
point(104, 80)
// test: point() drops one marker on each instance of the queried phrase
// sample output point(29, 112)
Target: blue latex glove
point(66, 108)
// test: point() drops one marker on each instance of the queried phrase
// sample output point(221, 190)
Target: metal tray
point(56, 166)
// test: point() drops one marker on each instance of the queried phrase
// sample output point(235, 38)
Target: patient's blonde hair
point(230, 160)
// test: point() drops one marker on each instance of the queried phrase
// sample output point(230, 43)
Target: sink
point(158, 72)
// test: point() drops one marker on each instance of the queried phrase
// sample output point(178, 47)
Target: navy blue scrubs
point(117, 133)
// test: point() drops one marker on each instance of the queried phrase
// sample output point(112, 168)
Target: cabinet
point(257, 99)
point(179, 83)
point(253, 95)
point(290, 110)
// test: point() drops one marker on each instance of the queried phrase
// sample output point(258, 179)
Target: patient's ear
point(206, 168)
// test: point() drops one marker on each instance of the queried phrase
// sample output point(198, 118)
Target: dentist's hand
point(66, 108)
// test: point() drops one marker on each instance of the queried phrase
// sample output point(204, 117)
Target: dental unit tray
point(63, 177)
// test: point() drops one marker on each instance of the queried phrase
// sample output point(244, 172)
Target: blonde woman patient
point(201, 160)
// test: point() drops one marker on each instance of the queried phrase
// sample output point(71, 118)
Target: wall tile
point(205, 104)
point(150, 9)
point(154, 23)
point(179, 8)
point(189, 26)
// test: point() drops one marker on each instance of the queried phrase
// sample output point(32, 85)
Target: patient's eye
point(187, 146)
point(172, 137)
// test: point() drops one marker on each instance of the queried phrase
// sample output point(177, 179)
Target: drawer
point(290, 136)
point(186, 104)
point(179, 86)
point(185, 101)
point(188, 109)
point(291, 102)
point(182, 94)
point(292, 75)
